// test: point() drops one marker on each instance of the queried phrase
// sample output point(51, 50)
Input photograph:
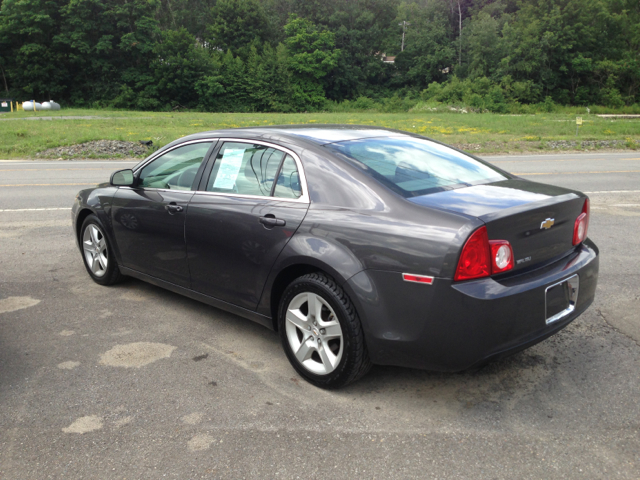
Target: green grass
point(484, 132)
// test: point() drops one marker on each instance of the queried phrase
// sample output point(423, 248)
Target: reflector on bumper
point(409, 277)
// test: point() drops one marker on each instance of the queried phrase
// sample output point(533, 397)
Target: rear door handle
point(172, 208)
point(271, 221)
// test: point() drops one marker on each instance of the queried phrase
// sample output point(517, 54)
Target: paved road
point(211, 395)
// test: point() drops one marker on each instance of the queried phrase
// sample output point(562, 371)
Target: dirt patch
point(136, 355)
point(201, 441)
point(97, 149)
point(11, 304)
point(192, 419)
point(134, 296)
point(84, 425)
point(68, 365)
point(123, 421)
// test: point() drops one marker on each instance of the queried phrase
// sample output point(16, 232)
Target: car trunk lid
point(536, 219)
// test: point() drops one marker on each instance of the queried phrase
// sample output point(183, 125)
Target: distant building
point(384, 58)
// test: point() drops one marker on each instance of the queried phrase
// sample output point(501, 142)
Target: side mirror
point(122, 178)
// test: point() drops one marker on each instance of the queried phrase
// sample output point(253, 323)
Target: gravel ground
point(566, 145)
point(589, 144)
point(99, 148)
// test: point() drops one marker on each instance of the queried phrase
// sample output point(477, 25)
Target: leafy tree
point(546, 37)
point(253, 55)
point(193, 15)
point(428, 50)
point(90, 48)
point(311, 56)
point(237, 24)
point(178, 64)
point(364, 30)
point(484, 45)
point(27, 31)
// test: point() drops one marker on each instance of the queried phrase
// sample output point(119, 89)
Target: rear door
point(244, 214)
point(148, 219)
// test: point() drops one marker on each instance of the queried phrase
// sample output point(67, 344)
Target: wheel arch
point(270, 301)
point(282, 280)
point(82, 215)
point(80, 218)
point(306, 254)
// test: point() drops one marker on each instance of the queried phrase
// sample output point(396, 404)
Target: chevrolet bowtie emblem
point(547, 224)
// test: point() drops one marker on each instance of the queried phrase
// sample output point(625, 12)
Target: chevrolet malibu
point(358, 245)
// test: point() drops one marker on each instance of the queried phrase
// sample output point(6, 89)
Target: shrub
point(611, 97)
point(548, 105)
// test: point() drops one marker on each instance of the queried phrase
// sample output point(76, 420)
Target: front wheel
point(97, 253)
point(321, 332)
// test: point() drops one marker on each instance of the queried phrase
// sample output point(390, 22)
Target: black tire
point(354, 362)
point(105, 276)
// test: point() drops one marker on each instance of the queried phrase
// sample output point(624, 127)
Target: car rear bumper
point(451, 326)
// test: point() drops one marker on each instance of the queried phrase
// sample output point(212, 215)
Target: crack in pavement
point(616, 328)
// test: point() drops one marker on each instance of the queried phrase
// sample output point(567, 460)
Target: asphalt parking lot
point(133, 381)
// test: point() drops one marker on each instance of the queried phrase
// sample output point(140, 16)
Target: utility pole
point(404, 24)
point(460, 33)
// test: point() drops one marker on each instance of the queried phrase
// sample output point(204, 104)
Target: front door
point(148, 219)
point(242, 219)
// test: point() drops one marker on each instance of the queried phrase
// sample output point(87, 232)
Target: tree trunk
point(6, 87)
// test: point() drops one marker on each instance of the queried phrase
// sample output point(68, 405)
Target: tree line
point(307, 55)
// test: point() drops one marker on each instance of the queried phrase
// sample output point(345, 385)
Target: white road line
point(524, 174)
point(571, 160)
point(615, 191)
point(559, 155)
point(33, 209)
point(27, 162)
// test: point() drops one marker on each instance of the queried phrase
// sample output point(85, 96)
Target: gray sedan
point(358, 245)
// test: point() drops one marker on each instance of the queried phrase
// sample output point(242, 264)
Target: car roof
point(315, 134)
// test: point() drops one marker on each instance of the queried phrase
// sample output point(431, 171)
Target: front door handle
point(172, 208)
point(271, 221)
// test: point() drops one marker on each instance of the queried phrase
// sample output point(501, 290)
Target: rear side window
point(288, 184)
point(245, 169)
point(414, 166)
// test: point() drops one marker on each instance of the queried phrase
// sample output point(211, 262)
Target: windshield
point(412, 166)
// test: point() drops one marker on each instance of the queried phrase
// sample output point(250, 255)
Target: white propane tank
point(28, 106)
point(50, 105)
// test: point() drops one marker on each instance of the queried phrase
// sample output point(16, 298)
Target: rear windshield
point(412, 166)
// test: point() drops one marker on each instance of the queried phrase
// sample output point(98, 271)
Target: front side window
point(413, 166)
point(245, 169)
point(175, 170)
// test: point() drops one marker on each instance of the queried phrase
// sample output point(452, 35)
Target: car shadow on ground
point(545, 370)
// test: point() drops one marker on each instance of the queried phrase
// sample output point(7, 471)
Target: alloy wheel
point(94, 245)
point(314, 333)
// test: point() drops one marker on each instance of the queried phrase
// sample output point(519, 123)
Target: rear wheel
point(97, 253)
point(321, 332)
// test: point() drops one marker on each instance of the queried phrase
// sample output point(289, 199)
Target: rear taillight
point(581, 226)
point(481, 257)
point(475, 258)
point(501, 256)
